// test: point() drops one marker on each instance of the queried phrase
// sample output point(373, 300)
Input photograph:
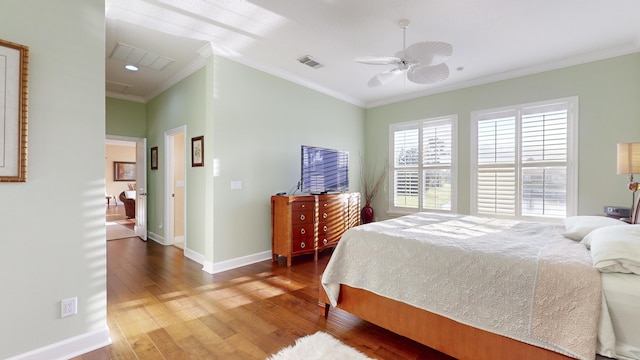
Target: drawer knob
point(302, 217)
point(325, 228)
point(325, 241)
point(324, 215)
point(303, 231)
point(302, 245)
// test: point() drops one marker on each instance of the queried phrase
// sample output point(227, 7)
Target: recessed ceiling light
point(131, 67)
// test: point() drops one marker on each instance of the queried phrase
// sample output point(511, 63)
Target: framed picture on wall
point(154, 158)
point(13, 111)
point(124, 171)
point(197, 151)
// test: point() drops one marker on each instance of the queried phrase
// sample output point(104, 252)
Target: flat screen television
point(324, 170)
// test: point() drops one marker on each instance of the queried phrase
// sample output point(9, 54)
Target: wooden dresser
point(308, 224)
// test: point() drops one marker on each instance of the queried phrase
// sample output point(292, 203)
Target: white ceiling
point(492, 39)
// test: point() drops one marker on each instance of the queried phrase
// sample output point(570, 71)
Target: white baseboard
point(195, 256)
point(213, 268)
point(155, 237)
point(70, 347)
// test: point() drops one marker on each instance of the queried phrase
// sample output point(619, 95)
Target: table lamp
point(629, 163)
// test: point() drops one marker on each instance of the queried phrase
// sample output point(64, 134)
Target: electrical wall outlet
point(69, 307)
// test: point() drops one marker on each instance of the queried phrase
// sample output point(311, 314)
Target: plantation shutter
point(496, 156)
point(405, 174)
point(522, 160)
point(544, 160)
point(436, 164)
point(423, 164)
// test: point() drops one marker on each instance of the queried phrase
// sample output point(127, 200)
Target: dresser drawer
point(300, 245)
point(302, 217)
point(302, 231)
point(328, 240)
point(331, 226)
point(302, 205)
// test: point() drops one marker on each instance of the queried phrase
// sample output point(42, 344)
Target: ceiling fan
point(422, 61)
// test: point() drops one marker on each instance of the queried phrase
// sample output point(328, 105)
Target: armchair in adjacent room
point(129, 201)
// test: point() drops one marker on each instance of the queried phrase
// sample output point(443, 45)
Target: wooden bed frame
point(435, 331)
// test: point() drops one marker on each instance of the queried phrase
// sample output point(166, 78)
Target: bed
point(483, 288)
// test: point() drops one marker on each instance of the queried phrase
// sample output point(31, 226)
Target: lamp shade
point(629, 158)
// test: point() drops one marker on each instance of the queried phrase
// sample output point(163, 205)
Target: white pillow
point(130, 194)
point(616, 248)
point(577, 227)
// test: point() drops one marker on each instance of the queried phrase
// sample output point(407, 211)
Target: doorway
point(127, 151)
point(175, 189)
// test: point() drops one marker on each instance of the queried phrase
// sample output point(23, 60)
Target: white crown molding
point(116, 95)
point(206, 50)
point(69, 348)
point(191, 68)
point(120, 142)
point(292, 78)
point(553, 65)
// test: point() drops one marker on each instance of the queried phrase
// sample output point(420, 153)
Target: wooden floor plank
point(161, 305)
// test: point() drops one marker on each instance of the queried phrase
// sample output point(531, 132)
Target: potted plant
point(372, 182)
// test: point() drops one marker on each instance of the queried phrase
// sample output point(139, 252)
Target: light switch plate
point(236, 185)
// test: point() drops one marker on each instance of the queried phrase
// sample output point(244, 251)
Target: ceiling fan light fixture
point(423, 62)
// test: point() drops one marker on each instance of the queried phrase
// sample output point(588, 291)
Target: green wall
point(182, 104)
point(52, 226)
point(260, 122)
point(609, 113)
point(254, 125)
point(126, 118)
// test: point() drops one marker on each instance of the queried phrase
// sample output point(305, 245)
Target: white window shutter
point(521, 160)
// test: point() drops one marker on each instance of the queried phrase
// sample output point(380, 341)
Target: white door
point(141, 189)
point(174, 213)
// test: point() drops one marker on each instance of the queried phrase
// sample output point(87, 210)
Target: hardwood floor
point(161, 305)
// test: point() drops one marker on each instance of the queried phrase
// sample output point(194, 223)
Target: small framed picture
point(197, 151)
point(154, 158)
point(124, 171)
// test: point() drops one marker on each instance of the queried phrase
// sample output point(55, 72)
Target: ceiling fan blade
point(428, 74)
point(377, 60)
point(384, 77)
point(429, 52)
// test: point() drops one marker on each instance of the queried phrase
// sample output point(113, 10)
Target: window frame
point(419, 125)
point(571, 161)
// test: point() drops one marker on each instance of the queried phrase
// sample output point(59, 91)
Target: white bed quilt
point(522, 280)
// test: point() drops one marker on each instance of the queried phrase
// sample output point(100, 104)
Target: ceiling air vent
point(309, 61)
point(119, 87)
point(135, 56)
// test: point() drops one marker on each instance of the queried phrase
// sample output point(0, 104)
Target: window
point(523, 160)
point(423, 168)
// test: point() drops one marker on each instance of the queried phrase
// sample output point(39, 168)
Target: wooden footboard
point(435, 331)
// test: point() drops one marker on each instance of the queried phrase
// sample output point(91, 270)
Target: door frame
point(141, 182)
point(169, 208)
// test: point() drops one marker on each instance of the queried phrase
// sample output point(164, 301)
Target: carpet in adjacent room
point(116, 231)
